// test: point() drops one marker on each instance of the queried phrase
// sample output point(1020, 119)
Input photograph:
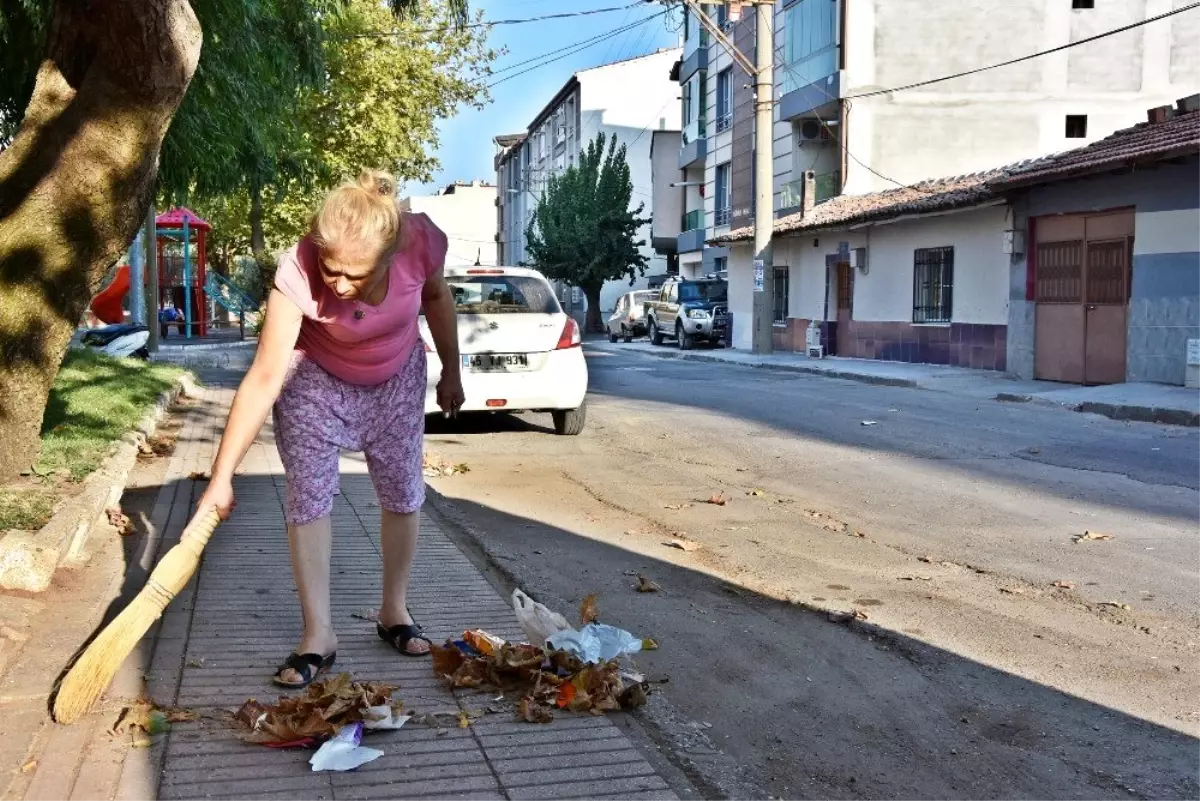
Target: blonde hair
point(364, 209)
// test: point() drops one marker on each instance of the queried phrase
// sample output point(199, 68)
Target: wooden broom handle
point(175, 569)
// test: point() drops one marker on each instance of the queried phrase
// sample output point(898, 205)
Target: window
point(724, 99)
point(711, 291)
point(1076, 126)
point(723, 16)
point(501, 294)
point(933, 284)
point(723, 199)
point(1083, 4)
point(672, 293)
point(721, 266)
point(779, 296)
point(810, 42)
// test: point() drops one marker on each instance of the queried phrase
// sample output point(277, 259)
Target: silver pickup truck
point(690, 310)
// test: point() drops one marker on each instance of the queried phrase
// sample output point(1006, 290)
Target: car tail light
point(570, 336)
point(496, 403)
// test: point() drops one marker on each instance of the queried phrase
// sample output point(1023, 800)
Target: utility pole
point(763, 73)
point(764, 96)
point(151, 261)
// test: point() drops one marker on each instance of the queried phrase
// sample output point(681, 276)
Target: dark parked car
point(690, 310)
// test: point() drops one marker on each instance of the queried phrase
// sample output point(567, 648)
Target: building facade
point(466, 212)
point(837, 117)
point(627, 100)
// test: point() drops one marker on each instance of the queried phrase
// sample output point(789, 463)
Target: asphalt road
point(946, 525)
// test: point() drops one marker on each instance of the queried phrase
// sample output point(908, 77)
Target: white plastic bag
point(536, 620)
point(596, 642)
point(343, 752)
point(383, 717)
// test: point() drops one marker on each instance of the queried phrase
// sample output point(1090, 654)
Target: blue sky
point(466, 147)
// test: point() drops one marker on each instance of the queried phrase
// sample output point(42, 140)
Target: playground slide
point(107, 304)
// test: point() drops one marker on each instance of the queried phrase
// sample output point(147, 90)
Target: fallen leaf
point(142, 742)
point(1117, 605)
point(675, 507)
point(717, 500)
point(533, 712)
point(29, 766)
point(683, 544)
point(1012, 590)
point(633, 697)
point(859, 614)
point(462, 468)
point(926, 559)
point(649, 644)
point(588, 612)
point(315, 714)
point(141, 716)
point(646, 585)
point(1063, 584)
point(198, 475)
point(464, 722)
point(755, 493)
point(119, 520)
point(1091, 536)
point(916, 578)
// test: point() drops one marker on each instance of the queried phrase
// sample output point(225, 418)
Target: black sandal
point(308, 666)
point(401, 635)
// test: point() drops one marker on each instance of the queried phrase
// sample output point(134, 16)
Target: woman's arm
point(258, 391)
point(438, 303)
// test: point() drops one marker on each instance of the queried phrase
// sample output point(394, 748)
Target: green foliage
point(583, 231)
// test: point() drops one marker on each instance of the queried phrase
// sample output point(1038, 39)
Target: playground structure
point(184, 281)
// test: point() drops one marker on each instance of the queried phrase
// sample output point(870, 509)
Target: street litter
point(683, 544)
point(1116, 605)
point(572, 669)
point(119, 520)
point(1063, 584)
point(343, 751)
point(435, 467)
point(717, 500)
point(646, 585)
point(1090, 536)
point(675, 507)
point(316, 715)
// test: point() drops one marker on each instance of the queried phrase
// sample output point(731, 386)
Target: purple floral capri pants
point(317, 416)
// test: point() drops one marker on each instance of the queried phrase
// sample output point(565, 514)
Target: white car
point(520, 352)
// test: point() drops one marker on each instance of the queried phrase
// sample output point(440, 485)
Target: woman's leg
point(311, 545)
point(398, 536)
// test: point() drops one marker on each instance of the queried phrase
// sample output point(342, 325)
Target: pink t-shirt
point(371, 348)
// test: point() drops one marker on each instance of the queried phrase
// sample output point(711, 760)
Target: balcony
point(692, 238)
point(721, 217)
point(724, 122)
point(829, 185)
point(695, 145)
point(791, 195)
point(803, 100)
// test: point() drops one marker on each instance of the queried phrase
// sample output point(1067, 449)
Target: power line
point(588, 40)
point(1038, 54)
point(593, 42)
point(492, 22)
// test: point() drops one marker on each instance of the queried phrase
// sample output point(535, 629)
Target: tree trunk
point(258, 238)
point(594, 324)
point(77, 182)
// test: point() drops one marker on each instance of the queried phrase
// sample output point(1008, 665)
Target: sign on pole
point(758, 275)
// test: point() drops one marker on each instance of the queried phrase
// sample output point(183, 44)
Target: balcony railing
point(693, 220)
point(721, 217)
point(724, 121)
point(791, 194)
point(694, 130)
point(828, 185)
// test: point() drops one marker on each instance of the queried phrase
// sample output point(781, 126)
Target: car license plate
point(720, 321)
point(488, 362)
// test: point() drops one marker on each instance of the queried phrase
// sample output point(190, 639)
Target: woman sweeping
point(341, 360)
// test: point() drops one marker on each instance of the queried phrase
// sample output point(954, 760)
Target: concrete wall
point(467, 214)
point(1164, 304)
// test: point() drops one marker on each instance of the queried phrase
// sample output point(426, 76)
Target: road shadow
point(821, 707)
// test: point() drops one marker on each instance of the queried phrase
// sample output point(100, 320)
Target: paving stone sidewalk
point(222, 637)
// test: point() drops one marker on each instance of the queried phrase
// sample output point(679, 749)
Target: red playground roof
point(175, 217)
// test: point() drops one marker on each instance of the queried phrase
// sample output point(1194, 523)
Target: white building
point(466, 212)
point(833, 56)
point(627, 100)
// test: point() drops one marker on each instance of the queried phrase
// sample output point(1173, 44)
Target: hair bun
point(377, 182)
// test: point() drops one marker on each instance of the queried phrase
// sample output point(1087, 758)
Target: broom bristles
point(95, 668)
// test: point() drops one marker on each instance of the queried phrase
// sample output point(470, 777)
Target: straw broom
point(94, 670)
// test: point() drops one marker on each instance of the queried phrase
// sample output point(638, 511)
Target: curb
point(1115, 411)
point(28, 560)
point(884, 381)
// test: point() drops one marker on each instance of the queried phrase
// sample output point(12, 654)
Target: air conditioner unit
point(811, 130)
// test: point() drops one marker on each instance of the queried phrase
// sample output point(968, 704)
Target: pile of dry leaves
point(436, 467)
point(324, 708)
point(547, 679)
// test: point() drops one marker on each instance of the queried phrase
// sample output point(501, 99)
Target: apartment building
point(847, 115)
point(627, 100)
point(465, 211)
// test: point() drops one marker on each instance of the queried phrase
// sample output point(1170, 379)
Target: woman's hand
point(219, 496)
point(450, 396)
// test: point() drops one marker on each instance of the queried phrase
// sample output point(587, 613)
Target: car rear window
point(502, 294)
point(712, 291)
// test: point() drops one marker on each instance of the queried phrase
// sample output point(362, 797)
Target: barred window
point(933, 284)
point(779, 296)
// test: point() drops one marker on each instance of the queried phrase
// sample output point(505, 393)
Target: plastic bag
point(596, 642)
point(383, 717)
point(343, 752)
point(537, 621)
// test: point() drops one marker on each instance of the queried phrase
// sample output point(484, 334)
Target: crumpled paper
point(343, 751)
point(595, 642)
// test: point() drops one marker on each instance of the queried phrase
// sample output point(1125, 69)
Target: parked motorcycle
point(123, 339)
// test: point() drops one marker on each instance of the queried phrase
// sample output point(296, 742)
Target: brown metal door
point(1082, 297)
point(1106, 309)
point(1059, 322)
point(845, 302)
